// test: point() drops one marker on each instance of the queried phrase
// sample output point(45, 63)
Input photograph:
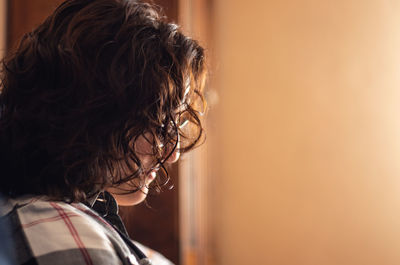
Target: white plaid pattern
point(62, 233)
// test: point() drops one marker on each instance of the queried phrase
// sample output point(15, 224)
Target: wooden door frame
point(196, 238)
point(3, 27)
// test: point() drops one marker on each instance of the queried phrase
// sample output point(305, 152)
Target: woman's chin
point(130, 199)
point(134, 197)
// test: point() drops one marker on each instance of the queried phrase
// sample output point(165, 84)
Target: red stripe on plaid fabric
point(49, 219)
point(90, 213)
point(73, 232)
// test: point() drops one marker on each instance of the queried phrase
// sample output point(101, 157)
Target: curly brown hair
point(83, 86)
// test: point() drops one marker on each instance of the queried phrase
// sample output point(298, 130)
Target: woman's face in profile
point(144, 151)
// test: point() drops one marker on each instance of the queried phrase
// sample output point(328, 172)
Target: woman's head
point(86, 89)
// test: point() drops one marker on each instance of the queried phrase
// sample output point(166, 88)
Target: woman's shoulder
point(56, 232)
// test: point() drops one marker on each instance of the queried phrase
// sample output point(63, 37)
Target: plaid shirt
point(49, 233)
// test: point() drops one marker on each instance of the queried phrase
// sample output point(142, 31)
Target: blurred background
point(301, 163)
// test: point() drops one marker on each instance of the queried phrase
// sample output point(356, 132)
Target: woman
point(95, 102)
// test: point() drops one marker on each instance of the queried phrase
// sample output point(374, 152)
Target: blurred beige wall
point(305, 141)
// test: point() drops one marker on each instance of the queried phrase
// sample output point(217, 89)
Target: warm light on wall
point(307, 144)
